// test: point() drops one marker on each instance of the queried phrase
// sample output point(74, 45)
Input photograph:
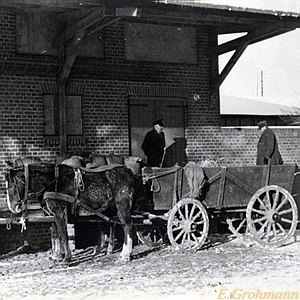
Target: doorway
point(144, 110)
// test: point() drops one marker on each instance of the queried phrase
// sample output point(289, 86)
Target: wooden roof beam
point(103, 23)
point(83, 24)
point(254, 37)
point(77, 41)
point(217, 81)
point(70, 59)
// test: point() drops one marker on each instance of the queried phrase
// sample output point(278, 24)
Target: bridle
point(15, 182)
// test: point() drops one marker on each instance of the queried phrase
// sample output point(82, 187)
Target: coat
point(267, 148)
point(153, 146)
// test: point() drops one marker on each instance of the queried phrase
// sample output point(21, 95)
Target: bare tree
point(291, 116)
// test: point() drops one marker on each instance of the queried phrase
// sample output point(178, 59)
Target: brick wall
point(237, 146)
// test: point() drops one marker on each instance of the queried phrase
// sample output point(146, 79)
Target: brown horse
point(62, 189)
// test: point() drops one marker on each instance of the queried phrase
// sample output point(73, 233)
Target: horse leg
point(127, 245)
point(111, 240)
point(101, 240)
point(123, 203)
point(57, 254)
point(59, 212)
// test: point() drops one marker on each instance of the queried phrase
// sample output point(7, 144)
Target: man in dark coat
point(267, 148)
point(154, 144)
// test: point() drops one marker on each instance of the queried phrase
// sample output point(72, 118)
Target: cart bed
point(233, 186)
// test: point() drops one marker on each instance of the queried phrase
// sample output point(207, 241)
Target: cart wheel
point(151, 236)
point(239, 227)
point(188, 224)
point(272, 215)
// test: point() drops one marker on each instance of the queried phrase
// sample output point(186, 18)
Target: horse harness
point(74, 200)
point(79, 187)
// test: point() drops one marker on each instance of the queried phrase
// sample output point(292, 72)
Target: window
point(73, 115)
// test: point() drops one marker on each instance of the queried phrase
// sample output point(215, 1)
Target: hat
point(261, 124)
point(159, 122)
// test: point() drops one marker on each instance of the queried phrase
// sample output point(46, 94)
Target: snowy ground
point(225, 268)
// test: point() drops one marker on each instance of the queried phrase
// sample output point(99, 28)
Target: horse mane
point(23, 161)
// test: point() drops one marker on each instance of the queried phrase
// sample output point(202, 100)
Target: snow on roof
point(202, 4)
point(231, 105)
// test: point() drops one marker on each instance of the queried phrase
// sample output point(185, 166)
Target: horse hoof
point(57, 258)
point(124, 259)
point(65, 264)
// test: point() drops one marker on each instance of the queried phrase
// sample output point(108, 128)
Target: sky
point(274, 62)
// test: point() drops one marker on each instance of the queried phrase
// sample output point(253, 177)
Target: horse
point(62, 189)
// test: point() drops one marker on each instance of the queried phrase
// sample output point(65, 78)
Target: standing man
point(267, 148)
point(154, 144)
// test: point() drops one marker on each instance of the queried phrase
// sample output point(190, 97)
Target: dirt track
point(223, 266)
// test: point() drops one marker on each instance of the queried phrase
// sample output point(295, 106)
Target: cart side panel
point(163, 192)
point(238, 195)
point(235, 186)
point(283, 176)
point(168, 184)
point(210, 191)
point(183, 186)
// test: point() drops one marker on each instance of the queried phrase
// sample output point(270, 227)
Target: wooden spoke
point(262, 204)
point(287, 211)
point(281, 204)
point(192, 211)
point(151, 235)
point(259, 220)
point(287, 220)
point(178, 236)
point(261, 212)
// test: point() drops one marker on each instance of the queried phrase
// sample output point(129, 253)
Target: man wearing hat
point(154, 144)
point(267, 148)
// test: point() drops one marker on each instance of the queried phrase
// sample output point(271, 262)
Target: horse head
point(15, 188)
point(15, 182)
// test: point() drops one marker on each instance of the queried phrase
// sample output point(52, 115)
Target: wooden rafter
point(83, 24)
point(74, 48)
point(254, 37)
point(233, 60)
point(240, 44)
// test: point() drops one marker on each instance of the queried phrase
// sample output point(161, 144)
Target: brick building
point(79, 78)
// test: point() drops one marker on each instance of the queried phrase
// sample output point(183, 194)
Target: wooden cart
point(256, 202)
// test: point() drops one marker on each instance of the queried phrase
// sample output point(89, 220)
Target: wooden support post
point(214, 66)
point(222, 188)
point(62, 116)
point(62, 81)
point(175, 189)
point(218, 80)
point(26, 170)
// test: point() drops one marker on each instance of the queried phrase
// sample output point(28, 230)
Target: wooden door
point(142, 113)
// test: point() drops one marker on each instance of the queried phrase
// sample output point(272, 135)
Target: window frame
point(51, 124)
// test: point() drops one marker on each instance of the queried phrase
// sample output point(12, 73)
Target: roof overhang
point(92, 15)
